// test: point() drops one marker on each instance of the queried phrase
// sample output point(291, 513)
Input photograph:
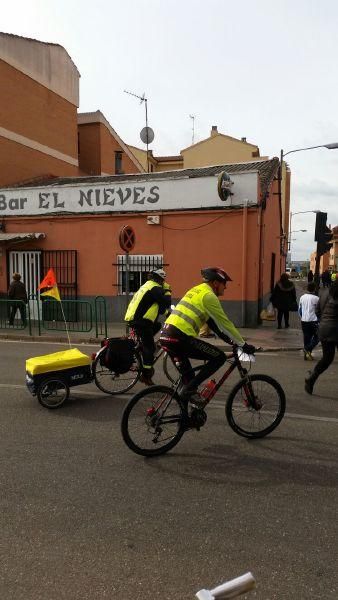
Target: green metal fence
point(14, 315)
point(79, 316)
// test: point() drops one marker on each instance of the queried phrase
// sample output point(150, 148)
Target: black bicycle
point(156, 418)
point(112, 382)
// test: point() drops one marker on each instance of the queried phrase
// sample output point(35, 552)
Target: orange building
point(69, 184)
point(40, 129)
point(179, 220)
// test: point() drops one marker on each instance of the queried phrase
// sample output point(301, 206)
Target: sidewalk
point(266, 336)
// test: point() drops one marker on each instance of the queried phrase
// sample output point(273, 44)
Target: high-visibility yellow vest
point(167, 292)
point(333, 277)
point(152, 312)
point(189, 314)
point(167, 289)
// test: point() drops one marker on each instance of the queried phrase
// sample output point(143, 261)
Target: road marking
point(213, 405)
point(20, 387)
point(287, 415)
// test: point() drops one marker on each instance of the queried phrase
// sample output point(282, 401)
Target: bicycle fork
point(251, 399)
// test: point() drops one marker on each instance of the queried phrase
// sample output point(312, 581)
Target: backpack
point(119, 355)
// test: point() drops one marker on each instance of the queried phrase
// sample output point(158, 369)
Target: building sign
point(128, 196)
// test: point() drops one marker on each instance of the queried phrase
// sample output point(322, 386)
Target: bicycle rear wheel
point(153, 421)
point(170, 370)
point(258, 421)
point(113, 383)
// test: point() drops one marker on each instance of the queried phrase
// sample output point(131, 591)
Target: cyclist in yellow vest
point(152, 299)
point(180, 332)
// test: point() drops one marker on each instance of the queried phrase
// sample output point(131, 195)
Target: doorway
point(27, 263)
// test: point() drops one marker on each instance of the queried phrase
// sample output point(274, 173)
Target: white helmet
point(159, 273)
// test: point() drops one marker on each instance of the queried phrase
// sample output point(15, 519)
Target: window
point(139, 267)
point(118, 163)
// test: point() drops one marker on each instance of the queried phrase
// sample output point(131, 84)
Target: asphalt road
point(84, 518)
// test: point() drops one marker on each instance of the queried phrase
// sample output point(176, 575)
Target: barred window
point(140, 266)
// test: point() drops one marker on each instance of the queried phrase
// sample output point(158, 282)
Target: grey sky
point(259, 69)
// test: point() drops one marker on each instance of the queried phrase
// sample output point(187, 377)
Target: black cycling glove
point(248, 349)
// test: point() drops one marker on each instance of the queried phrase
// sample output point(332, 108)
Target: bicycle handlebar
point(235, 348)
point(229, 589)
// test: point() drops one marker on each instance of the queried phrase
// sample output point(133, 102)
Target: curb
point(97, 341)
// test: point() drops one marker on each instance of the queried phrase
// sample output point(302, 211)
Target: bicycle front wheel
point(153, 421)
point(110, 382)
point(170, 370)
point(258, 416)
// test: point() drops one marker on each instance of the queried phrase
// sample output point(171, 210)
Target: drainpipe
point(244, 261)
point(260, 263)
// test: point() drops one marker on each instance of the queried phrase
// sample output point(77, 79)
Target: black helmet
point(215, 273)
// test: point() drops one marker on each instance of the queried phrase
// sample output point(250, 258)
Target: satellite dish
point(224, 186)
point(147, 135)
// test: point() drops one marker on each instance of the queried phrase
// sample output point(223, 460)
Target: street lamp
point(299, 212)
point(294, 231)
point(333, 146)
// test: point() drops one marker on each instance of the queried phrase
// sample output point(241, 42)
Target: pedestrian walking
point(310, 276)
point(326, 279)
point(327, 311)
point(17, 293)
point(307, 310)
point(284, 299)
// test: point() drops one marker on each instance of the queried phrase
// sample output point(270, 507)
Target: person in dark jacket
point(310, 276)
point(326, 279)
point(284, 299)
point(327, 312)
point(17, 291)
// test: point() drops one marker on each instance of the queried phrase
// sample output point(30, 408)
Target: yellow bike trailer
point(50, 376)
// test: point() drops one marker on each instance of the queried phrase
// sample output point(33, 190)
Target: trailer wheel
point(52, 393)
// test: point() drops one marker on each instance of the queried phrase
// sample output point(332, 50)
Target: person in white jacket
point(307, 310)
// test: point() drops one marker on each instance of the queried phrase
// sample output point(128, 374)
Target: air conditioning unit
point(153, 220)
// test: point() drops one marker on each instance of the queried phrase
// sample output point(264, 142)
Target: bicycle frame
point(234, 365)
point(138, 345)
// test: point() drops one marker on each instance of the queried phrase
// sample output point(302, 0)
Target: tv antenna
point(147, 134)
point(193, 117)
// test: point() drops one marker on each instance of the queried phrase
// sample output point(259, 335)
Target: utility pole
point(192, 117)
point(145, 100)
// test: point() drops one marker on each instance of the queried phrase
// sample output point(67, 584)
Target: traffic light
point(320, 226)
point(324, 245)
point(323, 234)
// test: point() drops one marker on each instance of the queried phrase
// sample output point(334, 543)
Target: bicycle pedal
point(198, 418)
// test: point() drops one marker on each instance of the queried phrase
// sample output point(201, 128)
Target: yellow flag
point(53, 292)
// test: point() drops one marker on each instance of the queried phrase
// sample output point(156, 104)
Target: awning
point(20, 237)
